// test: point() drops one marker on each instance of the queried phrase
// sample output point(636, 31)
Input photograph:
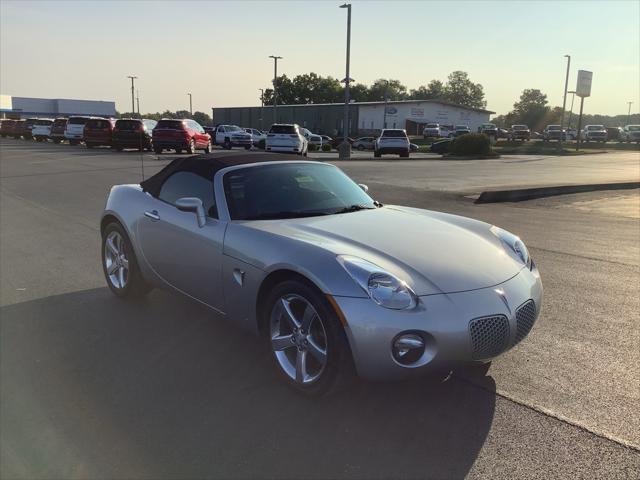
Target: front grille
point(489, 336)
point(525, 318)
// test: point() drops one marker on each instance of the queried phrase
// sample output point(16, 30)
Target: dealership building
point(365, 117)
point(23, 107)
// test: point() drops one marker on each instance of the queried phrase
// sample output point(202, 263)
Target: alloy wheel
point(298, 339)
point(115, 260)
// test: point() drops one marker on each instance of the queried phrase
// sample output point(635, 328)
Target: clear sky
point(219, 50)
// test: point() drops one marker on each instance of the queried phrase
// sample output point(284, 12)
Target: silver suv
point(392, 141)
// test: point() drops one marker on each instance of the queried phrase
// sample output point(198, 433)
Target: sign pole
point(579, 123)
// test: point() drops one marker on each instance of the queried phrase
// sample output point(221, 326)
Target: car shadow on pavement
point(92, 386)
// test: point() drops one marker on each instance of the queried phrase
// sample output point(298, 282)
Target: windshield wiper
point(285, 214)
point(353, 208)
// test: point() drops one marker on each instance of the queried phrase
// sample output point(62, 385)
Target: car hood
point(433, 252)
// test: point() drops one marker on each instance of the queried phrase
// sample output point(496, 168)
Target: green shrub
point(312, 147)
point(326, 147)
point(471, 144)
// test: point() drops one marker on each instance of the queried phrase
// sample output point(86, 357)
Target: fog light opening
point(408, 348)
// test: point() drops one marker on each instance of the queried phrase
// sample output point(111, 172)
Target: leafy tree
point(391, 89)
point(459, 89)
point(531, 109)
point(286, 93)
point(359, 92)
point(435, 90)
point(202, 118)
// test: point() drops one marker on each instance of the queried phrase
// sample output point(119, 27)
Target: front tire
point(227, 144)
point(308, 345)
point(119, 264)
point(191, 148)
point(208, 147)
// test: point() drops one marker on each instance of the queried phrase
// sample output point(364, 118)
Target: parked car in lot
point(414, 148)
point(256, 135)
point(133, 133)
point(630, 133)
point(461, 130)
point(489, 129)
point(74, 130)
point(41, 129)
point(23, 128)
point(229, 136)
point(520, 132)
point(552, 132)
point(18, 128)
point(571, 134)
point(57, 130)
point(432, 130)
point(390, 141)
point(364, 143)
point(441, 146)
point(98, 132)
point(315, 140)
point(179, 135)
point(299, 254)
point(7, 128)
point(286, 137)
point(613, 133)
point(326, 139)
point(335, 142)
point(594, 133)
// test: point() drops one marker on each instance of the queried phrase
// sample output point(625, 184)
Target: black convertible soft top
point(206, 166)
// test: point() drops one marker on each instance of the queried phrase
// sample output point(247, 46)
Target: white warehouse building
point(23, 107)
point(413, 115)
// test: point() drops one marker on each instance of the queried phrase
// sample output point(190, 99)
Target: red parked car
point(178, 135)
point(57, 130)
point(7, 128)
point(98, 131)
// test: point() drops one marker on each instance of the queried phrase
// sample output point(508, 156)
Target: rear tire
point(313, 355)
point(377, 154)
point(158, 151)
point(120, 265)
point(227, 144)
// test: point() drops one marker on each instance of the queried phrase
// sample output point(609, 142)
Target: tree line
point(314, 88)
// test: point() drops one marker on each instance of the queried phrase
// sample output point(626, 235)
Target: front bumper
point(444, 321)
point(283, 148)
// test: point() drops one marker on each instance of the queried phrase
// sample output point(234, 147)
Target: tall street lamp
point(629, 114)
point(275, 87)
point(345, 150)
point(564, 100)
point(190, 104)
point(133, 90)
point(573, 96)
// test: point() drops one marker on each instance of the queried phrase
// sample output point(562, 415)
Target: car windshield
point(595, 127)
point(282, 129)
point(553, 127)
point(432, 125)
point(60, 122)
point(291, 190)
point(232, 128)
point(78, 120)
point(394, 133)
point(98, 124)
point(170, 124)
point(44, 122)
point(462, 127)
point(519, 127)
point(128, 125)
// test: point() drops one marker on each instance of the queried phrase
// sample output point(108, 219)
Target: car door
point(186, 256)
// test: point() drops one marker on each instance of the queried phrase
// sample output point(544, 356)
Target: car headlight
point(515, 244)
point(383, 288)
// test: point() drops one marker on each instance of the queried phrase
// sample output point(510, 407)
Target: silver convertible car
point(298, 253)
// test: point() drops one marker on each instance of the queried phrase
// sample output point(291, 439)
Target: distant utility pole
point(629, 114)
point(138, 101)
point(345, 152)
point(386, 99)
point(573, 96)
point(275, 87)
point(261, 108)
point(133, 89)
point(190, 104)
point(564, 100)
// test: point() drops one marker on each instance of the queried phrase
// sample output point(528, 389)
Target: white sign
point(417, 112)
point(583, 88)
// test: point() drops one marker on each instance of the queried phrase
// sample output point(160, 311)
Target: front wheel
point(377, 154)
point(208, 147)
point(157, 150)
point(191, 148)
point(120, 265)
point(227, 144)
point(307, 342)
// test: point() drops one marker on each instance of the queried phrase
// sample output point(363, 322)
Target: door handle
point(153, 215)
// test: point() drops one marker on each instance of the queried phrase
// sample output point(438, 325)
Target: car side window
point(221, 129)
point(188, 184)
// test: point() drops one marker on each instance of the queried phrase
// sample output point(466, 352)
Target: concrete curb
point(540, 192)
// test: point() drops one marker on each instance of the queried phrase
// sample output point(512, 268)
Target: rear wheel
point(157, 150)
point(308, 345)
point(227, 144)
point(120, 265)
point(377, 154)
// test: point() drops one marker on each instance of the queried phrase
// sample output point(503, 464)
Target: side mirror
point(192, 204)
point(363, 187)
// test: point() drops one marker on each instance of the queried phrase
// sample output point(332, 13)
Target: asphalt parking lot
point(94, 387)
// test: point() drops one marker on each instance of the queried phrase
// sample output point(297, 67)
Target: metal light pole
point(386, 99)
point(275, 87)
point(629, 114)
point(573, 96)
point(190, 104)
point(138, 102)
point(133, 89)
point(564, 100)
point(261, 108)
point(345, 150)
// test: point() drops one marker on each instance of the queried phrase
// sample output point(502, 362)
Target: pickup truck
point(229, 136)
point(520, 132)
point(594, 133)
point(489, 129)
